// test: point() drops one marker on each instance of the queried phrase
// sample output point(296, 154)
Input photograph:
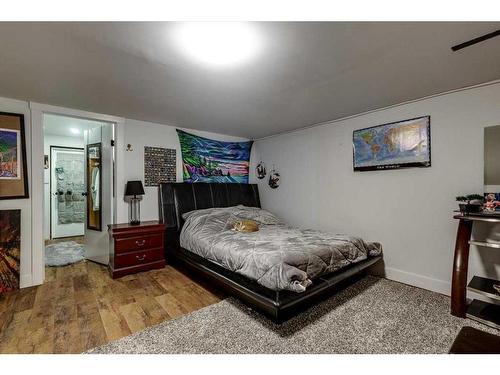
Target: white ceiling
point(63, 126)
point(306, 73)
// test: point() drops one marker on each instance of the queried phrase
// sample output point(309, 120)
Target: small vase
point(470, 208)
point(473, 208)
point(463, 209)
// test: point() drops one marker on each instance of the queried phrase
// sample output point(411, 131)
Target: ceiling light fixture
point(74, 130)
point(218, 44)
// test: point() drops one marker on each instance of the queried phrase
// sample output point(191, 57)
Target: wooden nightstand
point(135, 248)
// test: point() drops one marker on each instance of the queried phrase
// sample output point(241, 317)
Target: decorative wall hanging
point(401, 144)
point(159, 165)
point(208, 160)
point(10, 249)
point(260, 170)
point(274, 179)
point(13, 170)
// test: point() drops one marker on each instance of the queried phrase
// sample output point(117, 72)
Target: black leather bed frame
point(178, 198)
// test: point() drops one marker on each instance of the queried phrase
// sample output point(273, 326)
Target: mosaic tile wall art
point(159, 165)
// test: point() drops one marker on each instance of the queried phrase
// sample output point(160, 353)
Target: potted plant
point(471, 203)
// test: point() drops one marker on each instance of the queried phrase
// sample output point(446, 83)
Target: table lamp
point(134, 188)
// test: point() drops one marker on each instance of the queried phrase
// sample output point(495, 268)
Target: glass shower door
point(68, 192)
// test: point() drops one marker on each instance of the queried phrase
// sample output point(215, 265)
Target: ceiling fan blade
point(479, 39)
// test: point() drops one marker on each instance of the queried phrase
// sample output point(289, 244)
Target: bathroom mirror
point(492, 164)
point(94, 186)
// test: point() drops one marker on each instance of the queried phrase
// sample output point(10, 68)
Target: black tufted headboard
point(177, 198)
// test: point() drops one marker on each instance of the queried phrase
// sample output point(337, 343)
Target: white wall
point(54, 140)
point(409, 210)
point(16, 106)
point(140, 134)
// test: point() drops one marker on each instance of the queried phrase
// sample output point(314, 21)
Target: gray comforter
point(277, 256)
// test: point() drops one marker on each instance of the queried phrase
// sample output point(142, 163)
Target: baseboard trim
point(424, 282)
point(25, 281)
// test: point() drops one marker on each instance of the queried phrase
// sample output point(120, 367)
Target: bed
point(277, 290)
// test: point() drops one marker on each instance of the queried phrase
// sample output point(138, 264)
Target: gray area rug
point(64, 253)
point(371, 316)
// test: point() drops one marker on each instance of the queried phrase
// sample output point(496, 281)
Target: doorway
point(78, 184)
point(67, 192)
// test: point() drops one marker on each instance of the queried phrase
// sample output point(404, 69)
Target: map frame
point(424, 163)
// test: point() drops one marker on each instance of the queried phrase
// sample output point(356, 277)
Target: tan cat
point(246, 226)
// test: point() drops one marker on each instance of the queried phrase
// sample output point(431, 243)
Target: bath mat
point(64, 253)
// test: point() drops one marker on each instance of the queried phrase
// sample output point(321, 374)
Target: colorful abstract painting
point(9, 154)
point(208, 160)
point(399, 144)
point(10, 249)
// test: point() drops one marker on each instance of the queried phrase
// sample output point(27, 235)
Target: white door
point(99, 182)
point(67, 192)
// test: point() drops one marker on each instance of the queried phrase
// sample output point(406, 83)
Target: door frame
point(50, 184)
point(38, 110)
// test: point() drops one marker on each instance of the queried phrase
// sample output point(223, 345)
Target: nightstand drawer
point(138, 257)
point(135, 248)
point(127, 244)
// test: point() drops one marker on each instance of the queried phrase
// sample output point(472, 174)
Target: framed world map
point(401, 144)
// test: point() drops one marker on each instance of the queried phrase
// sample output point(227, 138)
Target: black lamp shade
point(134, 188)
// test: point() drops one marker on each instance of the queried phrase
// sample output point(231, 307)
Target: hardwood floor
point(80, 307)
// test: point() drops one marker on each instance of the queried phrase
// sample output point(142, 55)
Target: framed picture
point(13, 170)
point(10, 249)
point(402, 144)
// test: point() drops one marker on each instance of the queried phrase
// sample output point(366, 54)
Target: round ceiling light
point(218, 44)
